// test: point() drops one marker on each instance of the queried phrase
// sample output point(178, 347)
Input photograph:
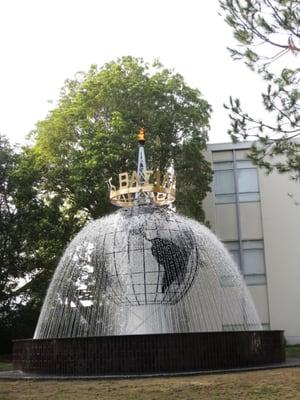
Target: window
point(254, 263)
point(247, 181)
point(234, 250)
point(228, 279)
point(252, 257)
point(225, 182)
point(235, 182)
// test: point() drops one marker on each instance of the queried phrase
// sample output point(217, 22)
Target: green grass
point(6, 363)
point(293, 351)
point(6, 366)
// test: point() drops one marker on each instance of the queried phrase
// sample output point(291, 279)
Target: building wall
point(258, 221)
point(281, 227)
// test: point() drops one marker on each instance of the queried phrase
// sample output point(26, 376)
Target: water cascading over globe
point(145, 269)
point(146, 290)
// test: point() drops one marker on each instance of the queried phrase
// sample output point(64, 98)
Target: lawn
point(276, 384)
point(293, 351)
point(5, 364)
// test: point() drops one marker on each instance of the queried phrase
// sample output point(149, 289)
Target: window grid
point(235, 181)
point(253, 268)
point(239, 187)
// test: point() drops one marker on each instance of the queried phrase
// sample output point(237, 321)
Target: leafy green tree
point(14, 262)
point(267, 34)
point(10, 246)
point(91, 135)
point(33, 233)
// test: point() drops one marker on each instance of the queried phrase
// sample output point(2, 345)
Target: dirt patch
point(273, 384)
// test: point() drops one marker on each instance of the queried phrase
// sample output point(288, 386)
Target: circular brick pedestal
point(149, 354)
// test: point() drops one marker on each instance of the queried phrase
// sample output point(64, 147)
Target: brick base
point(146, 354)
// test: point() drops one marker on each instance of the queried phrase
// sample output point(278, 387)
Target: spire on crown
point(143, 186)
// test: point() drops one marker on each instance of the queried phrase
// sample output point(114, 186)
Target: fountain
point(146, 290)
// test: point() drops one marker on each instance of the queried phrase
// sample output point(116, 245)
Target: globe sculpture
point(134, 286)
point(145, 270)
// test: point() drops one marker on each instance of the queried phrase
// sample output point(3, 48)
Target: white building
point(258, 219)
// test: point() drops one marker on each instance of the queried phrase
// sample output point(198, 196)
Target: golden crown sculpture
point(143, 186)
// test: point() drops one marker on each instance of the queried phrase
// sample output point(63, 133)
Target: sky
point(45, 42)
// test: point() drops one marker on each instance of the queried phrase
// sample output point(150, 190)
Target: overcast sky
point(44, 42)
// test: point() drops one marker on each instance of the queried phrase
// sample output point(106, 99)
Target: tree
point(15, 262)
point(33, 234)
point(10, 246)
point(91, 135)
point(267, 32)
